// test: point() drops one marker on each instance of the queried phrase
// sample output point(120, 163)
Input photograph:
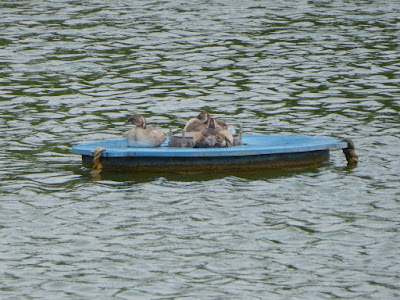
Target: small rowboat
point(253, 152)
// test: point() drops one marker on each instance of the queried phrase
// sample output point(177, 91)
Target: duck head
point(136, 120)
point(204, 117)
point(212, 123)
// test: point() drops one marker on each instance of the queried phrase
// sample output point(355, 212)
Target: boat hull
point(201, 164)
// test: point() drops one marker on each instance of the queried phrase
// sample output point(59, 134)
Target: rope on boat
point(350, 153)
point(97, 164)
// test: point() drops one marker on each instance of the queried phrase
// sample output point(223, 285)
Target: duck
point(213, 136)
point(200, 123)
point(143, 135)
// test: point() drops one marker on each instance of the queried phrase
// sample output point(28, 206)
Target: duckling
point(143, 135)
point(213, 136)
point(200, 123)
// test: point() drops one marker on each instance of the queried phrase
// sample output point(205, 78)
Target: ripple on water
point(74, 72)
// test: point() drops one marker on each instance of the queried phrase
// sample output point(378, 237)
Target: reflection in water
point(142, 177)
point(72, 72)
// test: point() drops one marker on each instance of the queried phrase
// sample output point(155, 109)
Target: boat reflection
point(142, 177)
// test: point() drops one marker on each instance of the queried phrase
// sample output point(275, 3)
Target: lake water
point(73, 71)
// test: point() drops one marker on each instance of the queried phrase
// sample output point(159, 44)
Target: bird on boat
point(201, 122)
point(213, 136)
point(350, 153)
point(142, 135)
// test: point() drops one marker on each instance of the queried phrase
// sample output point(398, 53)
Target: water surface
point(73, 72)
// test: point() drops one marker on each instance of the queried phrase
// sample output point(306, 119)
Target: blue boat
point(254, 152)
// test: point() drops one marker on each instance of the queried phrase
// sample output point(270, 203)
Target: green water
point(72, 72)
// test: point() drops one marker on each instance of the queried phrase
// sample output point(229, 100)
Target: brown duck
point(213, 136)
point(201, 122)
point(143, 135)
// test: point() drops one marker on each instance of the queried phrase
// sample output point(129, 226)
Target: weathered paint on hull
point(200, 164)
